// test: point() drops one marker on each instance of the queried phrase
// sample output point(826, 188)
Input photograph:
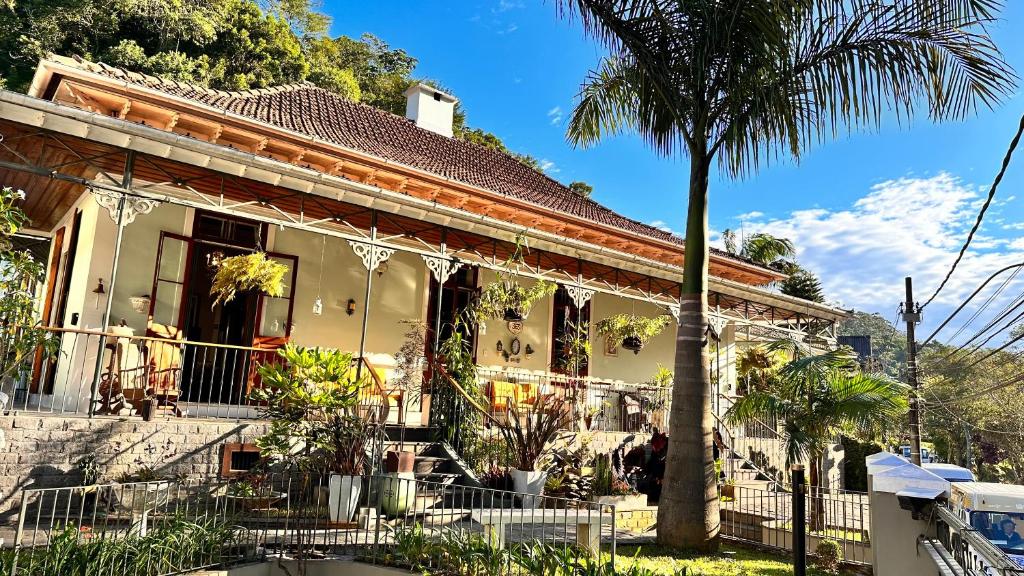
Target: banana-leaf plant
point(631, 330)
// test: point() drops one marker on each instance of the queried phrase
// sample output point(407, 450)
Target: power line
point(988, 302)
point(981, 214)
point(971, 297)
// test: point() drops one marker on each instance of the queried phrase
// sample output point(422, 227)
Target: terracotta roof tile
point(313, 111)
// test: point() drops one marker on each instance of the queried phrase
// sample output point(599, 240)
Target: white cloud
point(903, 227)
point(509, 29)
point(750, 215)
point(663, 226)
point(555, 115)
point(506, 5)
point(548, 166)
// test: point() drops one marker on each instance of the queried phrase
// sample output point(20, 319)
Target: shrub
point(829, 555)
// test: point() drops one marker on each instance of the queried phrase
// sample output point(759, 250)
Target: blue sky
point(849, 205)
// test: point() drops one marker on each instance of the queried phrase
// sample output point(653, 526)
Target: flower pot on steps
point(397, 493)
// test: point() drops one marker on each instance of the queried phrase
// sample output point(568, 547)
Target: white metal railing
point(594, 404)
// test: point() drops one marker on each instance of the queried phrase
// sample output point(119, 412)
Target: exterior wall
point(626, 366)
point(137, 260)
point(42, 451)
point(399, 294)
point(536, 332)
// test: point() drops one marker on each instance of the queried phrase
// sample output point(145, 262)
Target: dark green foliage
point(855, 471)
point(803, 284)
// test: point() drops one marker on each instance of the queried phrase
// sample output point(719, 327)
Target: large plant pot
point(633, 343)
point(529, 485)
point(150, 406)
point(343, 497)
point(400, 462)
point(397, 493)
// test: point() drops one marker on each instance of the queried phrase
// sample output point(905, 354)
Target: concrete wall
point(42, 451)
point(894, 535)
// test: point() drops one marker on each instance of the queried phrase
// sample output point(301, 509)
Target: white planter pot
point(530, 485)
point(343, 497)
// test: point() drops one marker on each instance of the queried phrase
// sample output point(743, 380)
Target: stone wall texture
point(44, 451)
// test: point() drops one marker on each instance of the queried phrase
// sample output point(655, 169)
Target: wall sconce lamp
point(500, 346)
point(350, 308)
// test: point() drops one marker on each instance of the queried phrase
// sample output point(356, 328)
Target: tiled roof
point(313, 111)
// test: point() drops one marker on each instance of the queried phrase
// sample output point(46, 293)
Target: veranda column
point(372, 256)
point(123, 208)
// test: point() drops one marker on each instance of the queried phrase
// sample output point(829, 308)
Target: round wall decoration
point(515, 326)
point(514, 345)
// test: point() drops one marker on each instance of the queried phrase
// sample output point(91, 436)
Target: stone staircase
point(755, 452)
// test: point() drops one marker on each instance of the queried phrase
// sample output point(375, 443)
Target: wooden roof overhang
point(80, 88)
point(53, 152)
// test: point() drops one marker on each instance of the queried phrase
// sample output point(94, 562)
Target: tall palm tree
point(742, 82)
point(816, 397)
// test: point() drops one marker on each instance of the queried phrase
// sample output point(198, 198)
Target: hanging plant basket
point(633, 343)
point(512, 315)
point(632, 331)
point(505, 299)
point(247, 273)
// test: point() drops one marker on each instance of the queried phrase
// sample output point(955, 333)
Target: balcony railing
point(592, 404)
point(96, 373)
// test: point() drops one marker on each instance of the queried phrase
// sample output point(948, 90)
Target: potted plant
point(631, 330)
point(505, 298)
point(310, 396)
point(252, 493)
point(247, 272)
point(529, 439)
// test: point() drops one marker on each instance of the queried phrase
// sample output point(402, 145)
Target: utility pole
point(912, 315)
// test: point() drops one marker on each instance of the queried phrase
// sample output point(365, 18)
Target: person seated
point(1008, 532)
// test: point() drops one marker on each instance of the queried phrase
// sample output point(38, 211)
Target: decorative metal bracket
point(580, 295)
point(441, 268)
point(674, 309)
point(370, 254)
point(133, 205)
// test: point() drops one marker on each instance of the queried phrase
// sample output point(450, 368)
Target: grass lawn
point(731, 561)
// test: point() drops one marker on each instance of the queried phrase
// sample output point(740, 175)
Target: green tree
point(888, 343)
point(257, 50)
point(817, 397)
point(21, 336)
point(582, 188)
point(803, 284)
point(745, 82)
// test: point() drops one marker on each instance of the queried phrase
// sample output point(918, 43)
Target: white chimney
point(430, 109)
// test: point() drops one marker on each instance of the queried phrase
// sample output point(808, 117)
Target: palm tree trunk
point(816, 503)
point(688, 514)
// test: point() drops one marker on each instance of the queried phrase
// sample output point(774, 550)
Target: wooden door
point(273, 320)
point(51, 290)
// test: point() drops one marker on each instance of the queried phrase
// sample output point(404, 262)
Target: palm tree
point(764, 249)
point(742, 82)
point(816, 397)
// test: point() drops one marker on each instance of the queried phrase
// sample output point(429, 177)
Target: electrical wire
point(969, 298)
point(988, 302)
point(981, 213)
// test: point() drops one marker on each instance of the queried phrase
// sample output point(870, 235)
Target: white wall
point(627, 366)
point(536, 332)
point(399, 294)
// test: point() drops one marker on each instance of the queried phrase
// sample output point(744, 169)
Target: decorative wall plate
point(515, 326)
point(514, 347)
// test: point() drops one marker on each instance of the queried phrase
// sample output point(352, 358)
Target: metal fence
point(166, 527)
point(593, 404)
point(764, 517)
point(95, 373)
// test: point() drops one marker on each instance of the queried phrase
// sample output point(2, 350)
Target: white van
point(996, 511)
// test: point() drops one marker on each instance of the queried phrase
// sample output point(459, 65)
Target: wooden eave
point(152, 108)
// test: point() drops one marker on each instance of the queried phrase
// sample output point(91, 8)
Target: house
point(143, 185)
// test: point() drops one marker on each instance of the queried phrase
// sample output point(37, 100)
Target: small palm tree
point(764, 249)
point(745, 82)
point(817, 397)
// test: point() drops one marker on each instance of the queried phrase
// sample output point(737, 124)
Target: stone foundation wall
point(636, 520)
point(43, 451)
